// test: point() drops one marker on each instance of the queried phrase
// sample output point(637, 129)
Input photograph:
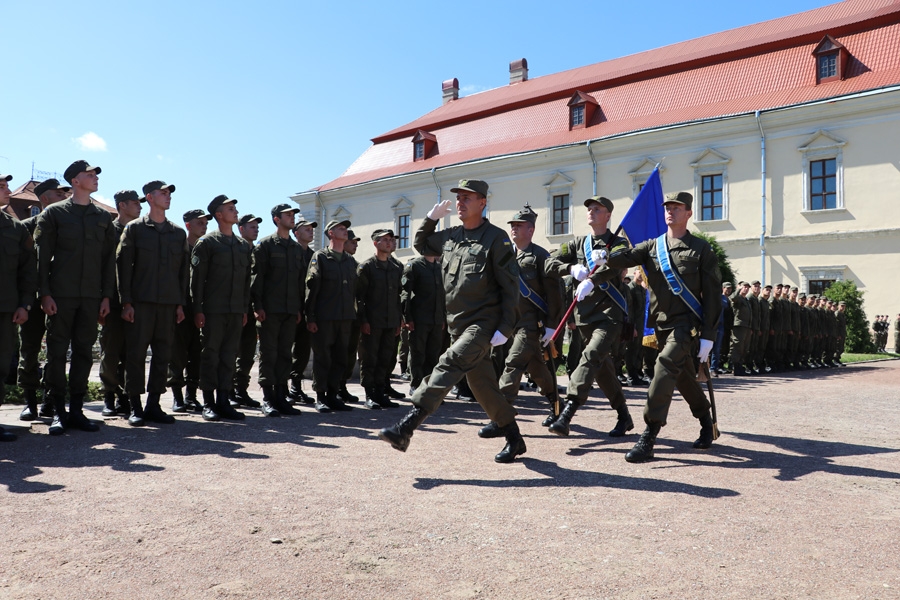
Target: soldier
point(480, 282)
point(599, 315)
point(765, 322)
point(275, 290)
point(31, 332)
point(717, 357)
point(740, 331)
point(112, 334)
point(634, 347)
point(795, 333)
point(897, 335)
point(344, 394)
point(152, 272)
point(304, 232)
point(76, 244)
point(330, 312)
point(675, 320)
point(220, 293)
point(753, 332)
point(18, 266)
point(380, 318)
point(248, 227)
point(772, 346)
point(539, 312)
point(424, 312)
point(186, 348)
point(389, 390)
point(841, 337)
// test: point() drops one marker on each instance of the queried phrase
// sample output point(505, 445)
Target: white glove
point(579, 272)
point(548, 335)
point(600, 256)
point(705, 347)
point(584, 288)
point(499, 339)
point(440, 210)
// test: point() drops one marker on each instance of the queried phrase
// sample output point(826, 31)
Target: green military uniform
point(302, 338)
point(152, 272)
point(76, 247)
point(112, 344)
point(765, 322)
point(184, 364)
point(634, 347)
point(740, 331)
point(794, 342)
point(896, 335)
point(803, 348)
point(275, 288)
point(772, 356)
point(753, 342)
point(424, 307)
point(18, 271)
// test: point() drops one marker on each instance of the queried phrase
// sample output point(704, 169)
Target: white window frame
point(403, 207)
point(832, 272)
point(710, 162)
point(822, 146)
point(641, 173)
point(559, 184)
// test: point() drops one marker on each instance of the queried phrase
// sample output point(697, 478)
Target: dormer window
point(581, 110)
point(424, 145)
point(831, 60)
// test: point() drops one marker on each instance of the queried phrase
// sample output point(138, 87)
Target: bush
point(728, 274)
point(858, 338)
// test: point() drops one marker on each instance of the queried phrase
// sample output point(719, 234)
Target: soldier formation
point(880, 327)
point(480, 309)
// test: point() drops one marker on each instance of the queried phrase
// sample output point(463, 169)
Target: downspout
point(762, 235)
point(434, 179)
point(594, 161)
point(322, 206)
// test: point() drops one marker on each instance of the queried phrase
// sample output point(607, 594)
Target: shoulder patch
point(506, 258)
point(195, 260)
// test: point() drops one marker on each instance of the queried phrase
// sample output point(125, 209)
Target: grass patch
point(848, 357)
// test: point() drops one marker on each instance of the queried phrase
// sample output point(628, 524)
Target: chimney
point(450, 89)
point(518, 71)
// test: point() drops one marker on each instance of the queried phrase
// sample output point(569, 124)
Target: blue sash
point(672, 278)
point(532, 296)
point(614, 294)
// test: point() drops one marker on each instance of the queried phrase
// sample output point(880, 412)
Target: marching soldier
point(220, 293)
point(794, 343)
point(248, 227)
point(31, 332)
point(424, 312)
point(677, 253)
point(76, 244)
point(152, 272)
point(304, 232)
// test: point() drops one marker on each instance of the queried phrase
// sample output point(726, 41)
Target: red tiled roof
point(758, 67)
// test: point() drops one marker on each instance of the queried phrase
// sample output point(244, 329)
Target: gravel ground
point(799, 498)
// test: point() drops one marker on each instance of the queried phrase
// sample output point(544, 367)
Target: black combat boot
point(706, 432)
point(123, 406)
point(153, 411)
point(190, 399)
point(76, 415)
point(6, 436)
point(210, 411)
point(491, 430)
point(224, 408)
point(399, 435)
point(296, 392)
point(321, 403)
point(242, 398)
point(552, 397)
point(178, 405)
point(109, 404)
point(281, 401)
point(372, 398)
point(30, 412)
point(136, 419)
point(343, 395)
point(383, 399)
point(624, 423)
point(561, 425)
point(390, 392)
point(268, 404)
point(60, 418)
point(48, 408)
point(333, 401)
point(643, 450)
point(515, 445)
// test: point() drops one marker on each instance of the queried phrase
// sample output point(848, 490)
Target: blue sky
point(261, 100)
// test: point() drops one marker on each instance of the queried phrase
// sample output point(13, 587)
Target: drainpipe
point(762, 235)
point(322, 206)
point(434, 179)
point(594, 161)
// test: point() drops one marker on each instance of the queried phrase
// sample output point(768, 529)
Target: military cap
point(600, 200)
point(779, 285)
point(743, 284)
point(755, 282)
point(352, 236)
point(45, 186)
point(382, 232)
point(768, 286)
point(795, 289)
point(303, 222)
point(813, 296)
point(471, 185)
point(334, 223)
point(842, 303)
point(802, 295)
point(78, 167)
point(680, 198)
point(126, 196)
point(157, 185)
point(218, 201)
point(727, 284)
point(196, 213)
point(6, 177)
point(248, 218)
point(525, 215)
point(283, 208)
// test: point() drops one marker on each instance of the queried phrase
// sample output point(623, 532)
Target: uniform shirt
point(698, 267)
point(795, 317)
point(598, 306)
point(18, 266)
point(774, 314)
point(764, 314)
point(422, 298)
point(331, 287)
point(537, 271)
point(741, 307)
point(754, 311)
point(114, 303)
point(275, 281)
point(220, 274)
point(152, 263)
point(804, 321)
point(480, 275)
point(76, 251)
point(305, 258)
point(378, 292)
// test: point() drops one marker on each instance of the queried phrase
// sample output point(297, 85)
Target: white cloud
point(91, 142)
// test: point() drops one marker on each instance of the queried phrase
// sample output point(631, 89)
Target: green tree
point(728, 273)
point(858, 338)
